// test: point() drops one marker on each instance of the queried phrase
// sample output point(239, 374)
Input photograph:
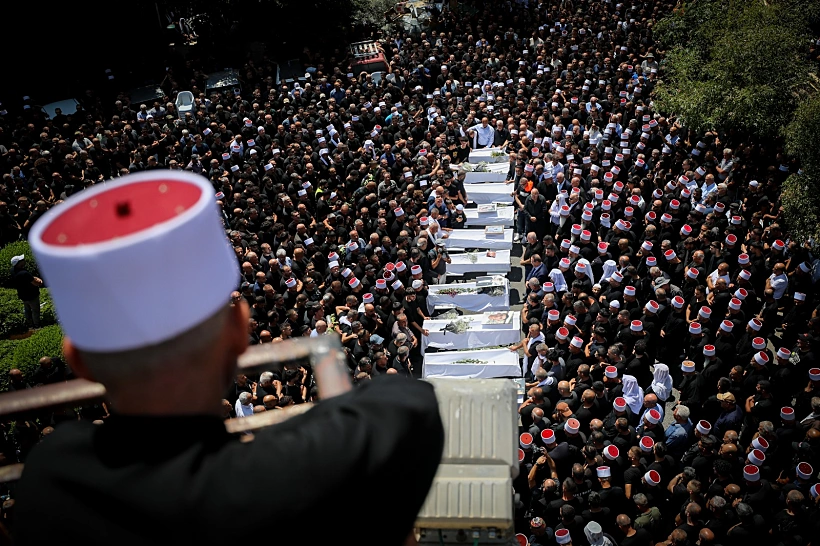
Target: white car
point(66, 107)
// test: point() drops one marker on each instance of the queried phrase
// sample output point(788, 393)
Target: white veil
point(610, 267)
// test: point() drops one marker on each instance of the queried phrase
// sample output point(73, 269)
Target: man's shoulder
point(66, 434)
point(22, 274)
point(67, 440)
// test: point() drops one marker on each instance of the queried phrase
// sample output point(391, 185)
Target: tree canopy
point(736, 64)
point(746, 65)
point(801, 192)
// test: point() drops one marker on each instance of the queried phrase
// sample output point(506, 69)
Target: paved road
point(516, 277)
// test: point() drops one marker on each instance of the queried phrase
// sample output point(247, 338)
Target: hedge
point(12, 314)
point(25, 354)
point(7, 253)
point(7, 347)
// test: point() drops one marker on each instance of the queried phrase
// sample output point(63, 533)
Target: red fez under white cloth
point(114, 255)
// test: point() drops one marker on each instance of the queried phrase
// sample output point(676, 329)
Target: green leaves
point(25, 354)
point(801, 133)
point(801, 192)
point(12, 314)
point(7, 253)
point(734, 64)
point(801, 205)
point(742, 65)
point(370, 13)
point(45, 342)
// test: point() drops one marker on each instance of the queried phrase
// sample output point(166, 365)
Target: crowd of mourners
point(660, 277)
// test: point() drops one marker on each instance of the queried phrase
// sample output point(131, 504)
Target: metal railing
point(324, 354)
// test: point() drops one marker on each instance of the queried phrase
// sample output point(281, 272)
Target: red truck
point(368, 56)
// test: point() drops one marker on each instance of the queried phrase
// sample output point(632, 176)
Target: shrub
point(25, 354)
point(7, 347)
point(12, 317)
point(12, 314)
point(48, 315)
point(7, 253)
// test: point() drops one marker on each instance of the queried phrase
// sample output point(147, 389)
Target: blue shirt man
point(679, 434)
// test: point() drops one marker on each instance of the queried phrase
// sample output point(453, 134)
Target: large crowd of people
point(660, 276)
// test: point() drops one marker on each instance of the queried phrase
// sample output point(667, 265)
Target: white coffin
point(476, 238)
point(462, 264)
point(502, 216)
point(479, 334)
point(472, 364)
point(482, 194)
point(438, 298)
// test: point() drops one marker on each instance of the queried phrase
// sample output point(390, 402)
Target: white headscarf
point(595, 534)
point(633, 393)
point(662, 382)
point(610, 267)
point(555, 208)
point(558, 280)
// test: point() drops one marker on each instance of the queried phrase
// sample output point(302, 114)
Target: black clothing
point(55, 373)
point(21, 280)
point(642, 537)
point(193, 482)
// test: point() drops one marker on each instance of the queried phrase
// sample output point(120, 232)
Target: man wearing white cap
point(691, 387)
point(673, 334)
point(28, 290)
point(804, 402)
point(609, 494)
point(163, 338)
point(595, 535)
point(563, 537)
point(795, 320)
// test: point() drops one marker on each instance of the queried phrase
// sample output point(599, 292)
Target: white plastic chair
point(185, 103)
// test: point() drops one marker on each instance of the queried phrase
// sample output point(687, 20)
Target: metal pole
point(159, 18)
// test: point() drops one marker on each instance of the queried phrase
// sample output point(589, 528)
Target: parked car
point(222, 81)
point(66, 107)
point(146, 94)
point(291, 69)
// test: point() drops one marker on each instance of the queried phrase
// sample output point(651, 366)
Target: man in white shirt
point(724, 168)
point(709, 185)
point(722, 272)
point(649, 63)
point(778, 281)
point(529, 343)
point(483, 134)
point(244, 405)
point(540, 361)
point(556, 168)
point(321, 329)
